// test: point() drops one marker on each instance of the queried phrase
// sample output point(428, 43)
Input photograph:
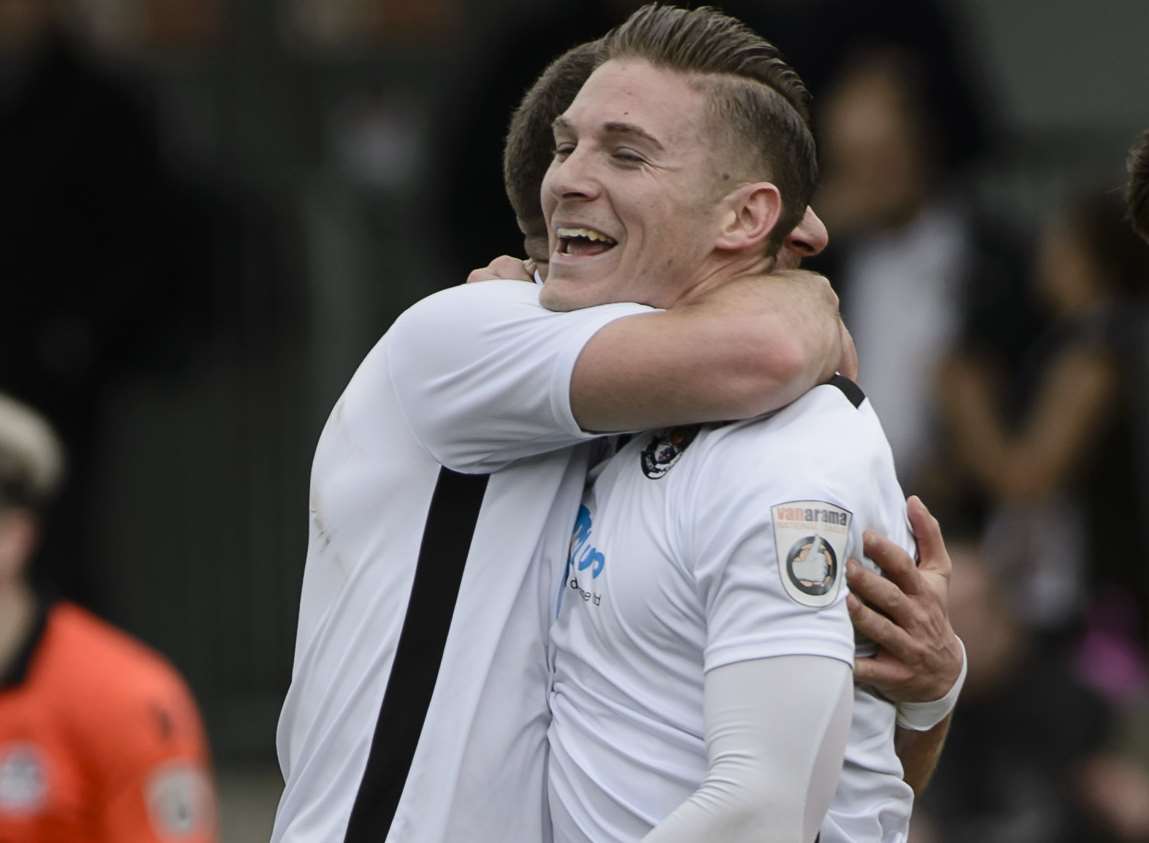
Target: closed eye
point(628, 156)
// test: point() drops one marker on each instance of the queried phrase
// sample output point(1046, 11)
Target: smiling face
point(630, 200)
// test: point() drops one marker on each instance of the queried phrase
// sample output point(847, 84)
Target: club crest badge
point(810, 540)
point(179, 801)
point(23, 780)
point(664, 449)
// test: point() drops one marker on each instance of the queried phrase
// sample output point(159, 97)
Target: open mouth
point(583, 242)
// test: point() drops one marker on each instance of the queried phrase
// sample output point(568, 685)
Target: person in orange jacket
point(100, 739)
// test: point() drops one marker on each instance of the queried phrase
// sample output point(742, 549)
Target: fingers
point(502, 268)
point(483, 274)
point(510, 268)
point(898, 565)
point(881, 673)
point(876, 626)
point(928, 532)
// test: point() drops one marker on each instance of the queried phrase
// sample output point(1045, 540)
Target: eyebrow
point(613, 128)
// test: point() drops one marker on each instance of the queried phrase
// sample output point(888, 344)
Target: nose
point(572, 177)
point(809, 237)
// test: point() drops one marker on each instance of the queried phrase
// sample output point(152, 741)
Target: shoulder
point(105, 667)
point(467, 301)
point(832, 429)
point(824, 457)
point(491, 305)
point(126, 708)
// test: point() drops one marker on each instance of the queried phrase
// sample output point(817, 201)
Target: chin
point(559, 296)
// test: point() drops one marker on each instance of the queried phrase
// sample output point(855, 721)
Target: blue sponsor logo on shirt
point(583, 557)
point(581, 549)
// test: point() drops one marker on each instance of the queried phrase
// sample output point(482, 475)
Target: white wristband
point(921, 717)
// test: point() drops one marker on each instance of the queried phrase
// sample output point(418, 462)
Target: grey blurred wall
point(1072, 79)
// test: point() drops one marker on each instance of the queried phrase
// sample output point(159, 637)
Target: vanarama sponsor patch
point(810, 540)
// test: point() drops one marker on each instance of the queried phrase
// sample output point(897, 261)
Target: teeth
point(586, 233)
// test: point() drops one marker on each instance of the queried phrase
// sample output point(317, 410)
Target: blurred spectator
point(920, 271)
point(102, 258)
point(1137, 192)
point(1028, 758)
point(100, 740)
point(821, 38)
point(1137, 199)
point(1058, 453)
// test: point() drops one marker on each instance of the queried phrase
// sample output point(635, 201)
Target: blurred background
point(211, 209)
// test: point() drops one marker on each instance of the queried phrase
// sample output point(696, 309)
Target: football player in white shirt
point(418, 704)
point(451, 747)
point(905, 611)
point(702, 680)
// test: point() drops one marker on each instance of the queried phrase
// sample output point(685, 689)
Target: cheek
point(547, 195)
point(537, 248)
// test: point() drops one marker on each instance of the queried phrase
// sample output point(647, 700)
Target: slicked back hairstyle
point(1137, 190)
point(529, 147)
point(756, 99)
point(31, 458)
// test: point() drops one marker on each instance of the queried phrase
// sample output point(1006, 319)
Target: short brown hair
point(756, 99)
point(1137, 190)
point(529, 147)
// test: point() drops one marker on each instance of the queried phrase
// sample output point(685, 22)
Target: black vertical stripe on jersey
point(446, 542)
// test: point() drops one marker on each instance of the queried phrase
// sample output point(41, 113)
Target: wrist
point(921, 717)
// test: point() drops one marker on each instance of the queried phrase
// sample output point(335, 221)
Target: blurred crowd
point(1006, 353)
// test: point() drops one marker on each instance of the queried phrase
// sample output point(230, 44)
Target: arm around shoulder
point(482, 372)
point(748, 348)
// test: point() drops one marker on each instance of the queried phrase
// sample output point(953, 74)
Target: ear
point(749, 214)
point(17, 542)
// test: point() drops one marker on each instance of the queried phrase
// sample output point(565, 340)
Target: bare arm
point(920, 752)
point(907, 614)
point(1074, 400)
point(750, 347)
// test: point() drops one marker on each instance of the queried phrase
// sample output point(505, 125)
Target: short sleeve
point(768, 550)
point(152, 755)
point(483, 372)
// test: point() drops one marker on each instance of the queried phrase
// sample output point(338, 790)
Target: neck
point(17, 611)
point(721, 269)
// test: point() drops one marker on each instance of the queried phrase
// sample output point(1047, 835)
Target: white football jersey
point(417, 710)
point(700, 547)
